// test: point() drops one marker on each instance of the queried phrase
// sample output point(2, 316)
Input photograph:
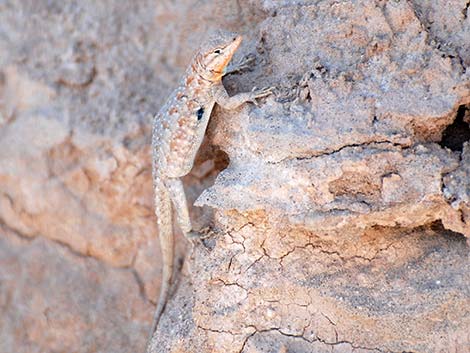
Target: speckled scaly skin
point(178, 131)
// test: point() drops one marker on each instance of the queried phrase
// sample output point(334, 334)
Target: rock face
point(338, 207)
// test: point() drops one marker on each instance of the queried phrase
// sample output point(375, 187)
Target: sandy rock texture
point(336, 211)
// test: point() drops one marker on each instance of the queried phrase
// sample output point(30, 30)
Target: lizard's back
point(174, 137)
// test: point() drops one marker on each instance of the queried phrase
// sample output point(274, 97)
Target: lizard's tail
point(164, 213)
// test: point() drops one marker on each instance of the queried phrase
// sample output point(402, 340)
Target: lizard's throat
point(206, 74)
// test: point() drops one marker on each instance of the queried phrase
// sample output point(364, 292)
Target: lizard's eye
point(217, 51)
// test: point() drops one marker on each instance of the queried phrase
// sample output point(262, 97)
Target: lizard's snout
point(235, 44)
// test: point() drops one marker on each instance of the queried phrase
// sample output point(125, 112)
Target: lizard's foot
point(197, 238)
point(245, 64)
point(260, 93)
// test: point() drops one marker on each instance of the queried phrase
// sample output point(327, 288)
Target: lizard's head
point(215, 55)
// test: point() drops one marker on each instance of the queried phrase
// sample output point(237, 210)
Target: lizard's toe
point(261, 93)
point(193, 235)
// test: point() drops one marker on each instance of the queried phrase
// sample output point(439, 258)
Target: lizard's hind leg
point(178, 198)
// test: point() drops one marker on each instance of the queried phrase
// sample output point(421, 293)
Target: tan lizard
point(178, 131)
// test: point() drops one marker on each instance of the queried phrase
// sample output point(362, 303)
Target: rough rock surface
point(339, 216)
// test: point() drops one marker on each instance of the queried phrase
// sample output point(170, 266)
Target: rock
point(337, 209)
point(279, 286)
point(457, 192)
point(54, 299)
point(448, 25)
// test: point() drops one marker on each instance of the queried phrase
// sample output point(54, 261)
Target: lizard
point(177, 133)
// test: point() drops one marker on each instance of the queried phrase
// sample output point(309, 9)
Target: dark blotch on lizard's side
point(200, 113)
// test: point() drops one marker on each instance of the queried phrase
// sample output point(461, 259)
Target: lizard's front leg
point(244, 64)
point(178, 198)
point(222, 98)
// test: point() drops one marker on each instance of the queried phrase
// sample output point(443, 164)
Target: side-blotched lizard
point(178, 131)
